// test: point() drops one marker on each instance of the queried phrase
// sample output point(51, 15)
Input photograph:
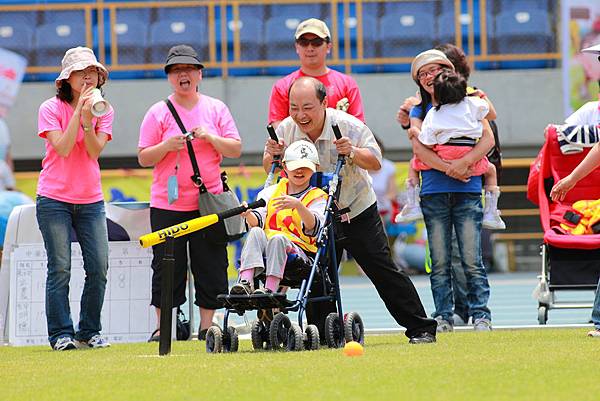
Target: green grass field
point(558, 364)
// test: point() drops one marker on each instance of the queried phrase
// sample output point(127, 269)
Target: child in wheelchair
point(287, 225)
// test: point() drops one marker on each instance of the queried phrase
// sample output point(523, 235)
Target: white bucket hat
point(78, 59)
point(301, 154)
point(593, 49)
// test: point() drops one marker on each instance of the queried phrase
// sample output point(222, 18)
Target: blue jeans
point(596, 310)
point(56, 219)
point(463, 212)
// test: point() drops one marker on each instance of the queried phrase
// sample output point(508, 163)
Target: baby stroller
point(281, 332)
point(569, 262)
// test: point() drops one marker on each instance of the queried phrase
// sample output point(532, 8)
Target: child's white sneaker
point(491, 214)
point(492, 220)
point(411, 211)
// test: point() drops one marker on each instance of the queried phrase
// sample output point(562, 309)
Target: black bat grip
point(336, 131)
point(241, 209)
point(272, 133)
point(273, 136)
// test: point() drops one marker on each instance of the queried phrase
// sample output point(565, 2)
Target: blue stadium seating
point(252, 10)
point(17, 38)
point(165, 34)
point(52, 40)
point(251, 37)
point(128, 15)
point(300, 11)
point(182, 13)
point(29, 18)
point(523, 32)
point(279, 38)
point(132, 41)
point(406, 34)
point(63, 16)
point(409, 7)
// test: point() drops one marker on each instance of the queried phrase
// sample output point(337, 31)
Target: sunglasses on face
point(315, 42)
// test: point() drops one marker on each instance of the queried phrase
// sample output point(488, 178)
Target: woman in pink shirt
point(173, 195)
point(69, 196)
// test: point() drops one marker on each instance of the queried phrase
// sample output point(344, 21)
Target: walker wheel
point(231, 341)
point(311, 338)
point(214, 340)
point(260, 335)
point(334, 332)
point(295, 338)
point(278, 332)
point(354, 330)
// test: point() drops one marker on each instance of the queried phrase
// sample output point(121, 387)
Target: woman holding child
point(450, 192)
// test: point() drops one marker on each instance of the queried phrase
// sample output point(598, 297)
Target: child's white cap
point(301, 154)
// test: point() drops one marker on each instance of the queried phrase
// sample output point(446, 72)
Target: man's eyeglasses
point(315, 42)
point(432, 73)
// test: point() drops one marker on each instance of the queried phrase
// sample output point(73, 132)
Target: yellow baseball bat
point(193, 225)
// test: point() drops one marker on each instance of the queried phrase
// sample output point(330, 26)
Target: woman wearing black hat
point(173, 196)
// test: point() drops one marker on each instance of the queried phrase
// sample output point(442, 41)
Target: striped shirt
point(357, 189)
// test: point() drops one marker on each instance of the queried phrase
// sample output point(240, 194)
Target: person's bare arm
point(150, 156)
point(228, 147)
point(461, 167)
point(562, 187)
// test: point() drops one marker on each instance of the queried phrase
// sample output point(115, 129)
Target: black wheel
point(231, 342)
point(354, 330)
point(542, 314)
point(278, 332)
point(334, 335)
point(214, 340)
point(311, 337)
point(260, 336)
point(295, 338)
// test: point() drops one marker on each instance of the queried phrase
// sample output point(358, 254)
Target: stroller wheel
point(260, 335)
point(542, 314)
point(295, 340)
point(231, 341)
point(278, 332)
point(354, 330)
point(334, 332)
point(214, 340)
point(311, 337)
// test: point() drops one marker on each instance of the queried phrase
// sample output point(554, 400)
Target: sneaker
point(443, 325)
point(242, 288)
point(96, 341)
point(64, 344)
point(492, 220)
point(482, 324)
point(594, 333)
point(409, 213)
point(423, 338)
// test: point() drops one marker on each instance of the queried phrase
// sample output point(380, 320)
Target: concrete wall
point(526, 101)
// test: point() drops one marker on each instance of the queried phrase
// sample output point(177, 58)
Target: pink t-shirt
point(75, 178)
point(159, 125)
point(338, 86)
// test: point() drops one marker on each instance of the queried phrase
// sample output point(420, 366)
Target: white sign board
point(126, 316)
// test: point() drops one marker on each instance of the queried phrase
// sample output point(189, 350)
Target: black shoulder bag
point(209, 203)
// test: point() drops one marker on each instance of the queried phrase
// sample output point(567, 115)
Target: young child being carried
point(288, 224)
point(451, 128)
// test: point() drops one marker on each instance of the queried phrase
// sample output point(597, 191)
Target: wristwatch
point(86, 129)
point(351, 156)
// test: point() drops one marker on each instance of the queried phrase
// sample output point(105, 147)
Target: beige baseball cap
point(301, 154)
point(313, 25)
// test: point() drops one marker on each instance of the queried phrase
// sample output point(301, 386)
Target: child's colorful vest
point(288, 222)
